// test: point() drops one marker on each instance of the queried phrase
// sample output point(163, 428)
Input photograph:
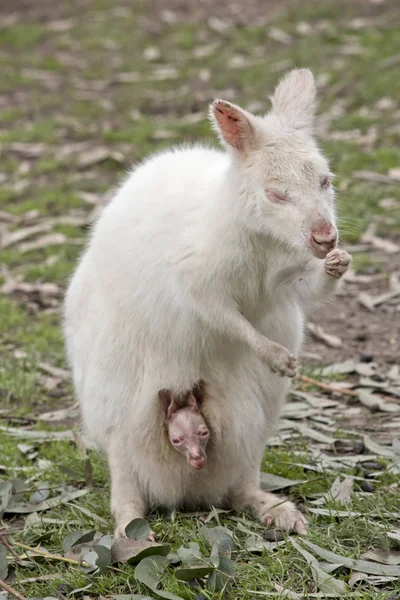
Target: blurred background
point(88, 88)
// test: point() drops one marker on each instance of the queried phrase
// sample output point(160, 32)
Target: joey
point(187, 430)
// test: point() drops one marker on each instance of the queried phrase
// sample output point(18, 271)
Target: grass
point(64, 87)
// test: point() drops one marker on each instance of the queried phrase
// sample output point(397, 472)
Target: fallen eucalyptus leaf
point(386, 557)
point(270, 482)
point(255, 543)
point(343, 368)
point(128, 597)
point(374, 402)
point(190, 555)
point(377, 448)
point(6, 490)
point(77, 537)
point(363, 566)
point(38, 435)
point(125, 550)
point(41, 494)
point(193, 572)
point(15, 237)
point(149, 571)
point(320, 334)
point(3, 562)
point(324, 581)
point(342, 491)
point(137, 529)
point(219, 580)
point(219, 535)
point(46, 504)
point(287, 593)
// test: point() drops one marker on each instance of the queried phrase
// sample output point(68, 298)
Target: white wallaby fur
point(204, 266)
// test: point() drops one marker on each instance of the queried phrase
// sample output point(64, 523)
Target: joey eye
point(176, 441)
point(276, 197)
point(325, 182)
point(204, 433)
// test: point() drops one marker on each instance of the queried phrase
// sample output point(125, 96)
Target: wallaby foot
point(271, 510)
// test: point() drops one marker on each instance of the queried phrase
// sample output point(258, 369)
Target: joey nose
point(322, 241)
point(197, 462)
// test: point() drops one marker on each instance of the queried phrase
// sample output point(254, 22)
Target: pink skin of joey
point(187, 430)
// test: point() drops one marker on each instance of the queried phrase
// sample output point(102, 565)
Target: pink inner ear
point(233, 124)
point(192, 402)
point(167, 401)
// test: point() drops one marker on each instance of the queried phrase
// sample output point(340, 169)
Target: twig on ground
point(326, 386)
point(71, 561)
point(11, 590)
point(7, 545)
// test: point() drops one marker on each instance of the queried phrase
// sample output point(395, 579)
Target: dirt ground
point(370, 335)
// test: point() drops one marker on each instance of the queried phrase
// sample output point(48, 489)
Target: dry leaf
point(372, 177)
point(329, 339)
point(6, 217)
point(15, 237)
point(356, 577)
point(394, 173)
point(52, 239)
point(98, 155)
point(39, 290)
point(278, 35)
point(342, 491)
point(376, 403)
point(28, 150)
point(55, 371)
point(386, 557)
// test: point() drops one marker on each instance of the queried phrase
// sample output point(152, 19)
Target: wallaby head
point(285, 181)
point(187, 430)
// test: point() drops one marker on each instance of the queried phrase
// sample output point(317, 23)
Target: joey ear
point(198, 391)
point(233, 125)
point(167, 402)
point(294, 98)
point(193, 402)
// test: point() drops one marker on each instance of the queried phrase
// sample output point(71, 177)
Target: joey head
point(187, 430)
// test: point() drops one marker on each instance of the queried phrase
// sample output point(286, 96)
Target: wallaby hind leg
point(127, 502)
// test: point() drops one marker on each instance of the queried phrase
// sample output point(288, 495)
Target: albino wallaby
point(204, 266)
point(187, 430)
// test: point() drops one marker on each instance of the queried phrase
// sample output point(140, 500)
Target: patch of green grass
point(347, 536)
point(364, 263)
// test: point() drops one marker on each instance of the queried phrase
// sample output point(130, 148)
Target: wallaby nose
point(323, 241)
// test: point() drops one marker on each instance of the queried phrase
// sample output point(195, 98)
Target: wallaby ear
point(167, 402)
point(294, 98)
point(233, 125)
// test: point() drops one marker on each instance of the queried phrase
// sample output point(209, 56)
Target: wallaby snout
point(323, 239)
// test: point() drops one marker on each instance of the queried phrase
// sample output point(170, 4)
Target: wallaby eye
point(276, 197)
point(325, 182)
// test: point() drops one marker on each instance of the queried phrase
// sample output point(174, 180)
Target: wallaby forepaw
point(337, 262)
point(286, 517)
point(282, 363)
